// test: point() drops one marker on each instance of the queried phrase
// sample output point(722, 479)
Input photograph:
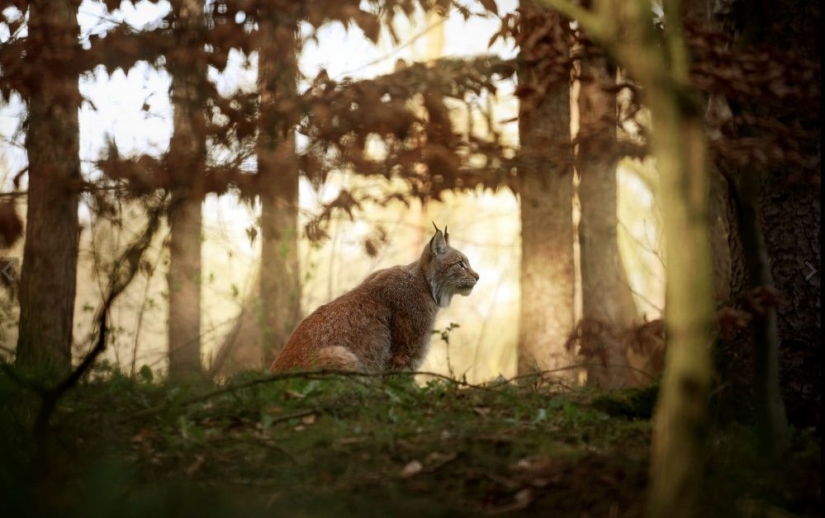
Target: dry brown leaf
point(481, 410)
point(196, 465)
point(412, 468)
point(308, 419)
point(291, 394)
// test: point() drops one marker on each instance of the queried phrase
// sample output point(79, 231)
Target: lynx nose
point(472, 273)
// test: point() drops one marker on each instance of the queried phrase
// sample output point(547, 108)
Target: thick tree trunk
point(280, 281)
point(49, 271)
point(546, 195)
point(791, 219)
point(186, 163)
point(772, 240)
point(790, 215)
point(608, 308)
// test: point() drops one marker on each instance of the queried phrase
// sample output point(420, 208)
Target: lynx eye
point(461, 264)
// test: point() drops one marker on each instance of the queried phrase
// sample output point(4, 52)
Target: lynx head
point(447, 270)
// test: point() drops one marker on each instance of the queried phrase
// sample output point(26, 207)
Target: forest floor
point(344, 446)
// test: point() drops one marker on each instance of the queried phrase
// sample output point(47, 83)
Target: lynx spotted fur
point(385, 323)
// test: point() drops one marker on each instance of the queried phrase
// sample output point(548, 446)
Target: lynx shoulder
point(385, 323)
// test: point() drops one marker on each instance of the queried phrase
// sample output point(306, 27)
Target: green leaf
point(146, 374)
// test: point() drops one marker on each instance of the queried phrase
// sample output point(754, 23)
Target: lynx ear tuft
point(439, 244)
point(446, 234)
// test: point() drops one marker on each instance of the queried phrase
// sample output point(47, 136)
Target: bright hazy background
point(134, 108)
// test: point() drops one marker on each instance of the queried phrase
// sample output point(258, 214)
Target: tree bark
point(48, 275)
point(790, 216)
point(608, 308)
point(546, 195)
point(773, 242)
point(186, 163)
point(280, 281)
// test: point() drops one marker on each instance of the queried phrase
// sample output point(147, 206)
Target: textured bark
point(186, 161)
point(546, 195)
point(608, 308)
point(776, 236)
point(280, 281)
point(790, 215)
point(49, 270)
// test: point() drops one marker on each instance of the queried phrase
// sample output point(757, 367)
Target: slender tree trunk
point(607, 302)
point(280, 282)
point(186, 162)
point(681, 410)
point(770, 409)
point(546, 195)
point(49, 272)
point(678, 141)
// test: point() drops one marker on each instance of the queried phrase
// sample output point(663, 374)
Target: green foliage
point(322, 445)
point(634, 403)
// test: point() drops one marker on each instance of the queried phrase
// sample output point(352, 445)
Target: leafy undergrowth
point(351, 446)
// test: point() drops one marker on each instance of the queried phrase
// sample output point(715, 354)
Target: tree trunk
point(186, 163)
point(608, 308)
point(280, 281)
point(678, 142)
point(790, 216)
point(773, 242)
point(791, 219)
point(546, 195)
point(49, 272)
point(772, 428)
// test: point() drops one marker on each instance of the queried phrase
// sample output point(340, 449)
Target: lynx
point(385, 323)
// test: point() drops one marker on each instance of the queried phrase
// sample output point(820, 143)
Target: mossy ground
point(345, 446)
